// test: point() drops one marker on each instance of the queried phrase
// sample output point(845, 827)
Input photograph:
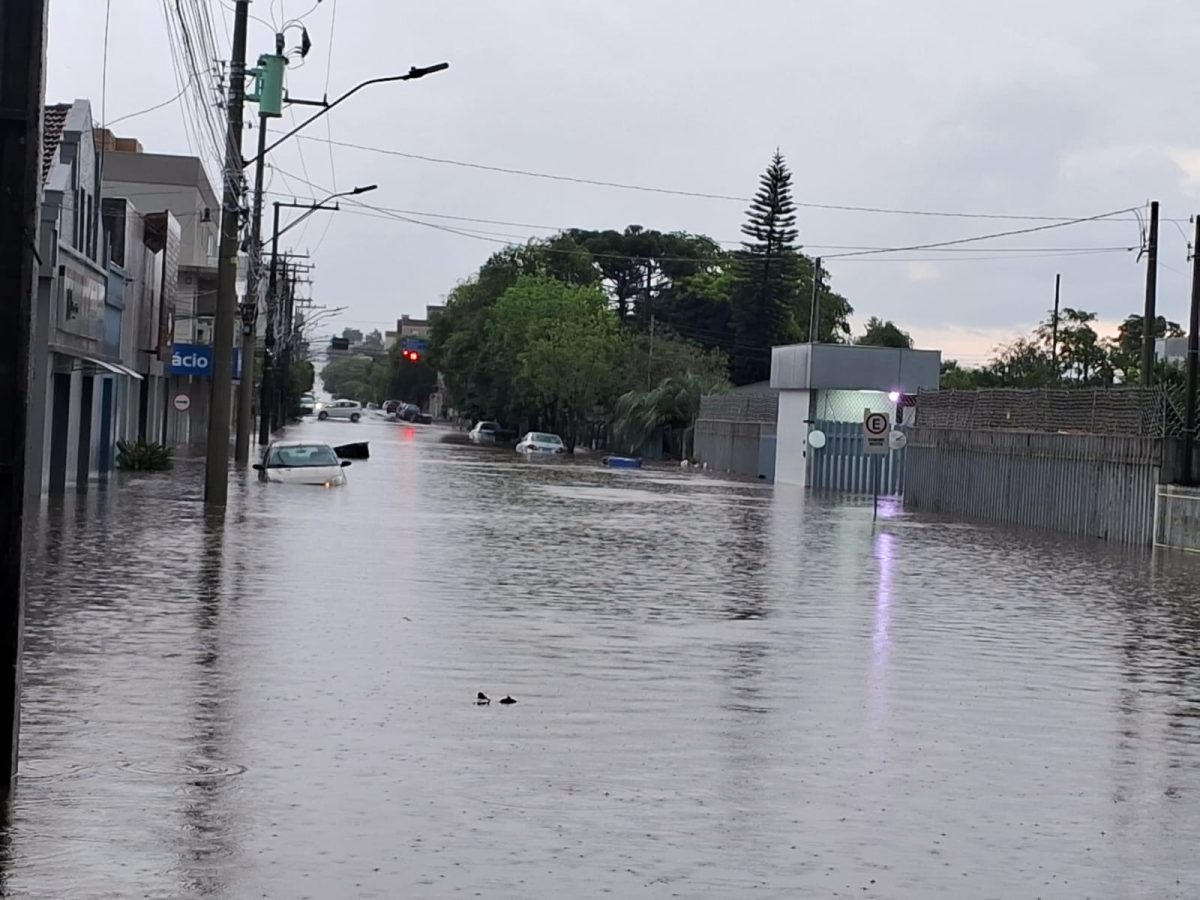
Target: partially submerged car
point(302, 462)
point(538, 443)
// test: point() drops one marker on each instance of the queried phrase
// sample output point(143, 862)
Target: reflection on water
point(723, 689)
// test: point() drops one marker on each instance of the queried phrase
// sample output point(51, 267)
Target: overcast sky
point(1068, 108)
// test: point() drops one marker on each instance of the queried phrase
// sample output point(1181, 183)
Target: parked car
point(538, 442)
point(302, 462)
point(484, 433)
point(307, 405)
point(340, 409)
point(391, 406)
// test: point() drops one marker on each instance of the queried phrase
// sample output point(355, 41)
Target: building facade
point(80, 368)
point(163, 184)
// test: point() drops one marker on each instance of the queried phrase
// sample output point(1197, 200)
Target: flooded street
point(724, 690)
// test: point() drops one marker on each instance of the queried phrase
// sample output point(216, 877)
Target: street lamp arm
point(308, 212)
point(413, 74)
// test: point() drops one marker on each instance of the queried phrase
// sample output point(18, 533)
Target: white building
point(829, 388)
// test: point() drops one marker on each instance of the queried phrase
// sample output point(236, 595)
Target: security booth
point(826, 393)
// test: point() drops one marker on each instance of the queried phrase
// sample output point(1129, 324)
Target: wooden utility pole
point(216, 473)
point(1054, 327)
point(1193, 362)
point(1151, 298)
point(22, 92)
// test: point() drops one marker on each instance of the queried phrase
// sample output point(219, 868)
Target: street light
point(267, 388)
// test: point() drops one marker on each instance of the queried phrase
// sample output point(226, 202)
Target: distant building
point(1171, 349)
point(408, 327)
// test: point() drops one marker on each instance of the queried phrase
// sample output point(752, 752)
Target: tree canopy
point(885, 334)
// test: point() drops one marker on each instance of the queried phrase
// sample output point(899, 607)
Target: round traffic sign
point(876, 424)
point(182, 402)
point(897, 440)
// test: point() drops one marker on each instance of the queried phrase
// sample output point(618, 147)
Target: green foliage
point(301, 378)
point(143, 456)
point(885, 334)
point(768, 275)
point(557, 346)
point(350, 377)
point(1125, 351)
point(401, 379)
point(671, 406)
point(649, 361)
point(773, 283)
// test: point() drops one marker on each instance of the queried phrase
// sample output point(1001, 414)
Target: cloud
point(922, 271)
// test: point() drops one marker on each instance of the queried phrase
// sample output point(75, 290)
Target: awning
point(114, 368)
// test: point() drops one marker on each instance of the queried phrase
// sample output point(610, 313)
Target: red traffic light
point(412, 355)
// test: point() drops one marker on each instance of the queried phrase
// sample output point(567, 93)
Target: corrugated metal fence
point(1098, 486)
point(841, 465)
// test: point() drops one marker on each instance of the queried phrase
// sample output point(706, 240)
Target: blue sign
point(196, 360)
point(414, 343)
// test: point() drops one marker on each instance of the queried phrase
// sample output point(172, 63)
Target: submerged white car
point(537, 442)
point(302, 462)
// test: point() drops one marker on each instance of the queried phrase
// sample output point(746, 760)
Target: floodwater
point(724, 690)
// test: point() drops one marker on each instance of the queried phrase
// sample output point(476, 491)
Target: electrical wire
point(704, 195)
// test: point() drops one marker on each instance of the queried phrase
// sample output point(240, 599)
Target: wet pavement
point(724, 690)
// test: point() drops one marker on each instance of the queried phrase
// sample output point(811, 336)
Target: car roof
point(275, 444)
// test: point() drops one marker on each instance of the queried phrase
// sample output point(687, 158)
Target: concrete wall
point(736, 447)
point(1177, 518)
point(791, 436)
point(1088, 485)
point(853, 367)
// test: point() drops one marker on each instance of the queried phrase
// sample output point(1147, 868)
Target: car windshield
point(301, 456)
point(487, 426)
point(545, 438)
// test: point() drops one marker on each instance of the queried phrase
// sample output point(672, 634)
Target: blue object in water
point(622, 462)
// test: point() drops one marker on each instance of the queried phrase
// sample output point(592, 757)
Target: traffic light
point(412, 355)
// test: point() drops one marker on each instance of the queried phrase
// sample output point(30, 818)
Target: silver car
point(340, 409)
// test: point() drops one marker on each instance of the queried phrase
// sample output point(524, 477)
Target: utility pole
point(650, 310)
point(269, 95)
point(1151, 299)
point(1054, 327)
point(1193, 363)
point(814, 307)
point(216, 472)
point(22, 91)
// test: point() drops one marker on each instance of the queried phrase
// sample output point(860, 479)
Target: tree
point(885, 334)
point(1023, 363)
point(1125, 351)
point(373, 341)
point(767, 270)
point(1079, 355)
point(671, 406)
point(349, 377)
point(649, 361)
point(557, 347)
point(353, 335)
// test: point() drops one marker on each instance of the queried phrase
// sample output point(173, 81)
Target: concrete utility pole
point(1151, 299)
point(269, 94)
point(22, 90)
point(216, 472)
point(1193, 363)
point(814, 308)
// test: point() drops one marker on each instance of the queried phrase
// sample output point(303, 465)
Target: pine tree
point(767, 272)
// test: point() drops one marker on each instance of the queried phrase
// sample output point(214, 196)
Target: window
point(303, 456)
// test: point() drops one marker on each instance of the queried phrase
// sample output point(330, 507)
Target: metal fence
point(740, 406)
point(1131, 411)
point(1100, 486)
point(843, 464)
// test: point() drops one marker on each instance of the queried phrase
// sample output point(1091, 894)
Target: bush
point(143, 456)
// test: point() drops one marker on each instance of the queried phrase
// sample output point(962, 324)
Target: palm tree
point(672, 406)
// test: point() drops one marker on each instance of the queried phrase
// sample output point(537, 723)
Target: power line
point(704, 195)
